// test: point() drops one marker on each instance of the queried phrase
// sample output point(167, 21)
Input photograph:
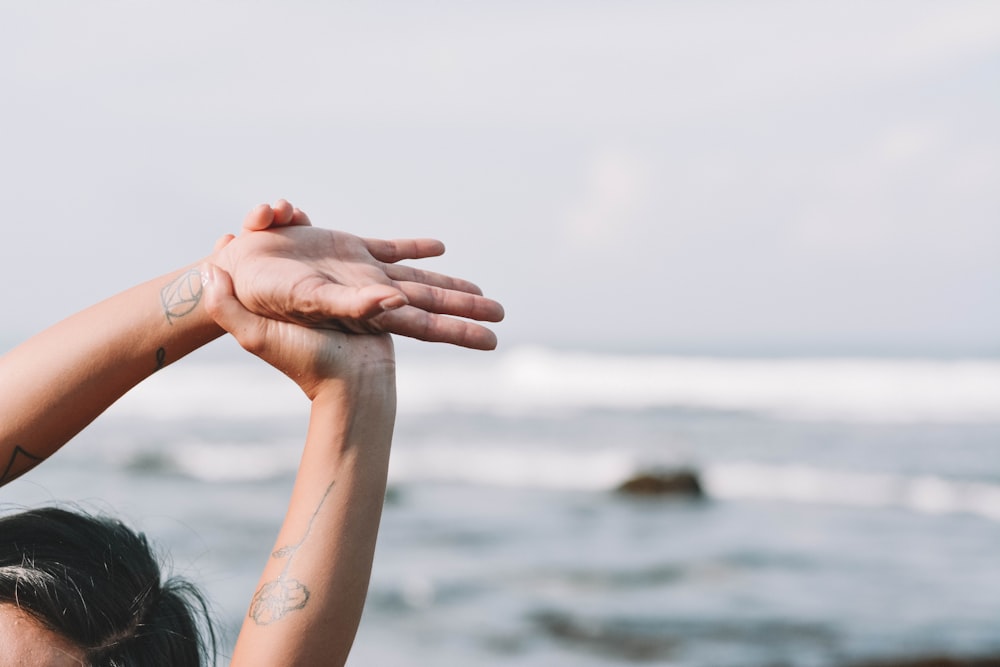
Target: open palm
point(330, 279)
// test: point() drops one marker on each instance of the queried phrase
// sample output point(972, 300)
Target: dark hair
point(97, 583)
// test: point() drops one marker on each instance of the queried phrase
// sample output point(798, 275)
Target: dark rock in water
point(936, 661)
point(681, 483)
point(618, 638)
point(151, 463)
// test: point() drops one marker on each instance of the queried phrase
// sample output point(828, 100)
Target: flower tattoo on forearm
point(276, 599)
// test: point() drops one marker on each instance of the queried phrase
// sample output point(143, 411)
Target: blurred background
point(754, 242)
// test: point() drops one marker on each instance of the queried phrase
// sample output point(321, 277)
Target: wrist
point(358, 414)
point(181, 297)
point(369, 386)
point(362, 366)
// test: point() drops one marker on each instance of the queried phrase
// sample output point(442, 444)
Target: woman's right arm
point(310, 596)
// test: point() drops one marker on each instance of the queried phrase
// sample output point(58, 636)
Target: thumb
point(358, 303)
point(227, 311)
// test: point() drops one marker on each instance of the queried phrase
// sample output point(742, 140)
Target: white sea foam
point(532, 379)
point(223, 390)
point(231, 462)
point(499, 465)
point(796, 483)
point(540, 381)
point(537, 467)
point(602, 470)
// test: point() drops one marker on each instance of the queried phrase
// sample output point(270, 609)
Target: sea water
point(852, 507)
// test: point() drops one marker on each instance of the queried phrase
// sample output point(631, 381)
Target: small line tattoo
point(275, 599)
point(181, 295)
point(161, 358)
point(21, 461)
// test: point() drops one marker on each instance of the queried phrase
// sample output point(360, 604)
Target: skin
point(322, 278)
point(288, 273)
point(27, 643)
point(296, 296)
point(311, 594)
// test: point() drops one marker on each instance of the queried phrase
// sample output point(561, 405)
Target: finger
point(283, 213)
point(398, 249)
point(401, 273)
point(300, 218)
point(415, 323)
point(259, 218)
point(451, 302)
point(222, 304)
point(336, 302)
point(223, 242)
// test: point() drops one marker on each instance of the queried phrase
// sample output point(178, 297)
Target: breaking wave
point(531, 380)
point(559, 469)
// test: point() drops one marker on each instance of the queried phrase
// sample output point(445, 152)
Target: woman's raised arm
point(57, 382)
point(308, 603)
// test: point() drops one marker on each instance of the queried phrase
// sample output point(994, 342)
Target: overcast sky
point(760, 177)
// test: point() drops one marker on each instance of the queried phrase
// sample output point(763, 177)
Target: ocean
point(851, 510)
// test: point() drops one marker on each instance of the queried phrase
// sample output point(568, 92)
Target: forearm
point(58, 381)
point(311, 594)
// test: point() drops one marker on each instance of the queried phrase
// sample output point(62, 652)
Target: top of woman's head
point(96, 582)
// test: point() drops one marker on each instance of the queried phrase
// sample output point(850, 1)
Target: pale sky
point(758, 177)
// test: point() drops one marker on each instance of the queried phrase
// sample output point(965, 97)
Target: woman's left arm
point(61, 379)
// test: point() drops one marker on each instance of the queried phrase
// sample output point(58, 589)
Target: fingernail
point(393, 302)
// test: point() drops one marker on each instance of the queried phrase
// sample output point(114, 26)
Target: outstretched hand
point(285, 269)
point(309, 356)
